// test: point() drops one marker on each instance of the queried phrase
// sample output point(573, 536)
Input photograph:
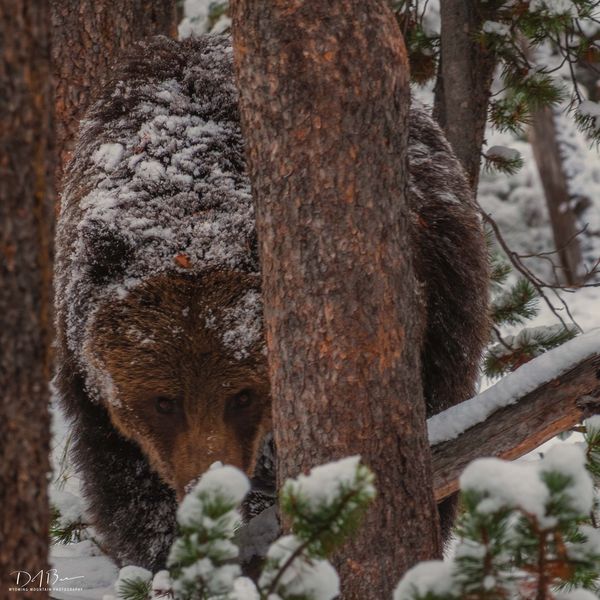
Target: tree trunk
point(26, 209)
point(87, 36)
point(324, 101)
point(556, 190)
point(462, 90)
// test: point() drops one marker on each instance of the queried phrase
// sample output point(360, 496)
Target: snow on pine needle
point(200, 558)
point(526, 531)
point(324, 507)
point(328, 502)
point(504, 159)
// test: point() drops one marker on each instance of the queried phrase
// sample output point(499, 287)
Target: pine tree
point(514, 304)
point(516, 33)
point(526, 531)
point(323, 508)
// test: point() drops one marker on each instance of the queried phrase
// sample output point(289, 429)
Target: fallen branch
point(545, 397)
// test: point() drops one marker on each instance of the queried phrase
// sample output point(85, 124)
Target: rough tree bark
point(87, 36)
point(554, 181)
point(26, 201)
point(324, 101)
point(462, 91)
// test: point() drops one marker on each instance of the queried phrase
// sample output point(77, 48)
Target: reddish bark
point(556, 190)
point(324, 101)
point(87, 36)
point(26, 201)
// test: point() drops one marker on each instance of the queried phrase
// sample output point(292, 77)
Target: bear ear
point(108, 253)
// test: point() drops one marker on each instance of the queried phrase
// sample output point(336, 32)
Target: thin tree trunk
point(88, 35)
point(26, 201)
point(588, 73)
point(462, 90)
point(324, 101)
point(556, 190)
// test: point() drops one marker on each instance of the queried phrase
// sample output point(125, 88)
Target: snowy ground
point(76, 559)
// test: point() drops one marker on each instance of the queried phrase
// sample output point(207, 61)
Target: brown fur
point(156, 344)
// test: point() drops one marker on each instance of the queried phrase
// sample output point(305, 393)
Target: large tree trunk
point(87, 37)
point(26, 203)
point(556, 190)
point(462, 90)
point(324, 101)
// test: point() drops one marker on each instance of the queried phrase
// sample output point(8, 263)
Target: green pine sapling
point(513, 305)
point(323, 509)
point(526, 533)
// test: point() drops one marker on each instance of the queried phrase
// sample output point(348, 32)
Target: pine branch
point(134, 589)
point(516, 305)
point(306, 544)
point(513, 351)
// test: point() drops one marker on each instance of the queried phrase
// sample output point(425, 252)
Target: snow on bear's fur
point(160, 355)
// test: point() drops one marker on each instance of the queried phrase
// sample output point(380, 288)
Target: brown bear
point(161, 361)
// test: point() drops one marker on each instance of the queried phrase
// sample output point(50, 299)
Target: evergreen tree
point(526, 531)
point(514, 304)
point(537, 45)
point(323, 508)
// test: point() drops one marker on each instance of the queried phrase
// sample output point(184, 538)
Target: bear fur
point(161, 363)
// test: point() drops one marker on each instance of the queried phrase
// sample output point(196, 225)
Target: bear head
point(179, 363)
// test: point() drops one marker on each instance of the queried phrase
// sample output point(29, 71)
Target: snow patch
point(429, 577)
point(226, 483)
point(316, 579)
point(520, 484)
point(244, 589)
point(555, 7)
point(129, 573)
point(161, 584)
point(454, 421)
point(108, 156)
point(322, 485)
point(496, 28)
point(503, 153)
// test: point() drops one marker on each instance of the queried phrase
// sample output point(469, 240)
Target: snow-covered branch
point(544, 397)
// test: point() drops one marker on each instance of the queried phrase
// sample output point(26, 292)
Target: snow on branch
point(546, 396)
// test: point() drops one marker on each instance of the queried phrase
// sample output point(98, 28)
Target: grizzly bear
point(161, 363)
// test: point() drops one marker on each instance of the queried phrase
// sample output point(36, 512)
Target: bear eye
point(241, 400)
point(165, 406)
